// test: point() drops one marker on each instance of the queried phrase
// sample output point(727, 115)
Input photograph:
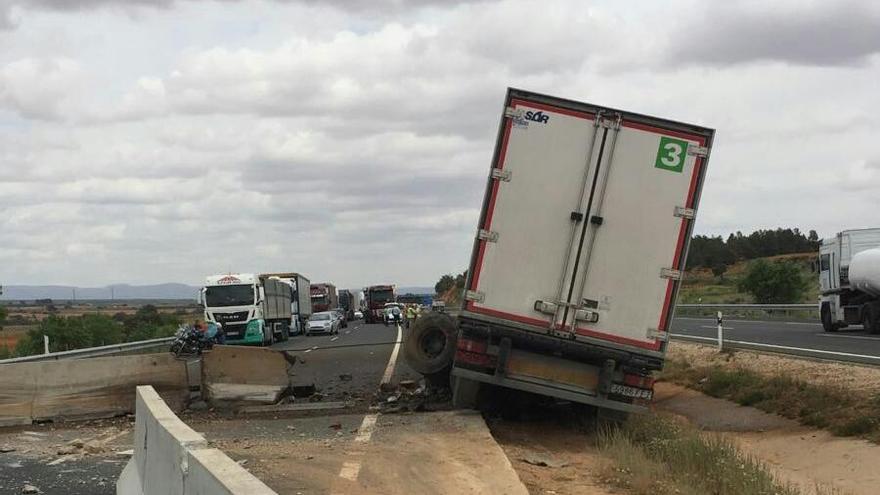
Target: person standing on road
point(410, 315)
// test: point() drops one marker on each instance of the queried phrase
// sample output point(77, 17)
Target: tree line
point(92, 330)
point(716, 253)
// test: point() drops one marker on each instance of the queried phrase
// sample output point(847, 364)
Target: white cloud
point(163, 140)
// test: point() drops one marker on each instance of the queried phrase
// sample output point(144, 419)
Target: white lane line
point(389, 370)
point(715, 327)
point(858, 337)
point(351, 469)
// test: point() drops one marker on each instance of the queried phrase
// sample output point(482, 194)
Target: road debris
point(6, 449)
point(411, 396)
point(345, 377)
point(30, 489)
point(543, 461)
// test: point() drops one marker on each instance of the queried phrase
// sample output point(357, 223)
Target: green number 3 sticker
point(671, 154)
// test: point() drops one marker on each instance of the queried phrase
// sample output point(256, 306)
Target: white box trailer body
point(300, 298)
point(849, 265)
point(581, 242)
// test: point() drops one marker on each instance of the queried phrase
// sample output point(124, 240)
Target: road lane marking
point(352, 469)
point(859, 337)
point(715, 327)
point(392, 362)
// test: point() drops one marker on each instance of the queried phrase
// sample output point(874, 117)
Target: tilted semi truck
point(849, 280)
point(375, 298)
point(577, 256)
point(324, 297)
point(252, 309)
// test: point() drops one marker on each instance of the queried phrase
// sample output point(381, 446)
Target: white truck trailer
point(577, 256)
point(252, 309)
point(300, 299)
point(849, 280)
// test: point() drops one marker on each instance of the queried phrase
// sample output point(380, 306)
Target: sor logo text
point(538, 116)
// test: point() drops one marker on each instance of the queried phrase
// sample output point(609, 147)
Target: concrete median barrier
point(233, 374)
point(170, 458)
point(86, 388)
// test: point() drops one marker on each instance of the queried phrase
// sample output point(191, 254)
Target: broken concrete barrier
point(236, 374)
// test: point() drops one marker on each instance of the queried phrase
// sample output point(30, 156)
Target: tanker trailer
point(849, 280)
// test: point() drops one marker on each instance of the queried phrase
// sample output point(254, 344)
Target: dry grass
point(830, 406)
point(654, 455)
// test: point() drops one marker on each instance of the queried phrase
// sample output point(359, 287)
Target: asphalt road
point(800, 334)
point(349, 365)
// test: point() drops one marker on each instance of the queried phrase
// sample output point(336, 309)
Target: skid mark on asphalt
point(352, 468)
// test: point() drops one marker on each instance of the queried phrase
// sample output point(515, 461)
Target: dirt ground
point(805, 457)
point(552, 458)
point(852, 377)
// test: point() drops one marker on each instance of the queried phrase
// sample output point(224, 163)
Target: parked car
point(323, 322)
point(358, 315)
point(392, 314)
point(340, 315)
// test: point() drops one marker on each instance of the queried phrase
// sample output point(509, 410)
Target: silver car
point(323, 322)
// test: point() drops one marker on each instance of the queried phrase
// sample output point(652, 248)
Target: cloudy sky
point(148, 141)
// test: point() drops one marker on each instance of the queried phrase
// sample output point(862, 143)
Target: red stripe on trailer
point(488, 223)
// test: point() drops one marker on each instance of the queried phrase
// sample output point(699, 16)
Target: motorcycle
point(191, 341)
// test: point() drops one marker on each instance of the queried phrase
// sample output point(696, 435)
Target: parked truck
point(252, 309)
point(324, 297)
point(347, 303)
point(300, 299)
point(577, 257)
point(849, 280)
point(375, 298)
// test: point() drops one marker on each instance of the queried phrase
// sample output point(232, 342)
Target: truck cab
point(250, 308)
point(842, 303)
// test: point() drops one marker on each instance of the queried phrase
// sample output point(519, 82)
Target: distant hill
point(415, 290)
point(116, 291)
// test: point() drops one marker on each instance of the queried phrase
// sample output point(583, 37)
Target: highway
point(795, 334)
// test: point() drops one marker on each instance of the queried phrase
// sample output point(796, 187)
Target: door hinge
point(501, 174)
point(683, 212)
point(670, 273)
point(655, 334)
point(474, 295)
point(487, 235)
point(546, 307)
point(609, 120)
point(513, 113)
point(697, 150)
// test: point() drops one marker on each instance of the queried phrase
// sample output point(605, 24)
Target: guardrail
point(89, 352)
point(845, 357)
point(749, 311)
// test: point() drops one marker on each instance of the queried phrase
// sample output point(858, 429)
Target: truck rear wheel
point(430, 344)
point(828, 323)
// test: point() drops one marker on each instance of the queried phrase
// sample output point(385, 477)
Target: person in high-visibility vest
point(410, 315)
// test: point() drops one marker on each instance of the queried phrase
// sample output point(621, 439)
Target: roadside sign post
point(720, 332)
point(45, 344)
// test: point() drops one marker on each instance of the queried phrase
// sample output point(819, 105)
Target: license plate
point(635, 393)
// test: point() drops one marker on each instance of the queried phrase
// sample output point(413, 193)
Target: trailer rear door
point(586, 221)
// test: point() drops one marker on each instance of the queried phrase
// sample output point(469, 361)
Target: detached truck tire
point(430, 345)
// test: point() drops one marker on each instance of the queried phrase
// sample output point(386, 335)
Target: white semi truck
point(577, 256)
point(849, 280)
point(252, 309)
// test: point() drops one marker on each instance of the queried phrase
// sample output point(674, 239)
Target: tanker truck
point(577, 257)
point(849, 280)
